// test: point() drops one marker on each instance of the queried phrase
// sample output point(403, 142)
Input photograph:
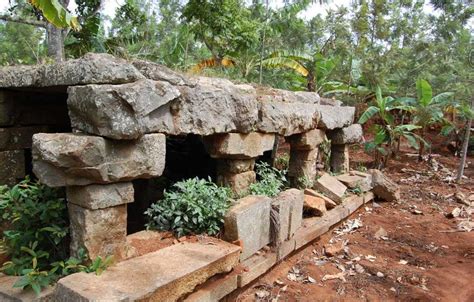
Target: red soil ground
point(439, 260)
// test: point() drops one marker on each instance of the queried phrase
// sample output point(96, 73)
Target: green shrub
point(193, 206)
point(37, 237)
point(270, 181)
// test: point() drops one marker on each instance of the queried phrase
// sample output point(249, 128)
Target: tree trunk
point(422, 145)
point(311, 83)
point(55, 43)
point(465, 147)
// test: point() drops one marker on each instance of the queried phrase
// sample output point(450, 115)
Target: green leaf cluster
point(270, 180)
point(192, 206)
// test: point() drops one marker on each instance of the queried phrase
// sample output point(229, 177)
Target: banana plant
point(387, 133)
point(56, 14)
point(426, 109)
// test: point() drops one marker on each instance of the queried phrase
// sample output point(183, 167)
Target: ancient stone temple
point(97, 125)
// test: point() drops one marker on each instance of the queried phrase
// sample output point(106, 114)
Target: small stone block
point(331, 187)
point(329, 203)
point(249, 221)
point(346, 135)
point(100, 232)
point(235, 166)
point(356, 181)
point(314, 205)
point(307, 140)
point(256, 266)
point(239, 183)
point(95, 197)
point(285, 248)
point(8, 293)
point(238, 145)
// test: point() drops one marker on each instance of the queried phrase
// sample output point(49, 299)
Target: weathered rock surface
point(287, 215)
point(119, 111)
point(302, 166)
point(239, 183)
point(249, 221)
point(316, 206)
point(8, 293)
point(239, 146)
point(331, 187)
point(159, 72)
point(95, 197)
point(384, 187)
point(308, 140)
point(286, 118)
point(235, 166)
point(164, 275)
point(356, 180)
point(329, 203)
point(347, 135)
point(333, 117)
point(129, 111)
point(339, 160)
point(67, 159)
point(12, 166)
point(100, 232)
point(91, 69)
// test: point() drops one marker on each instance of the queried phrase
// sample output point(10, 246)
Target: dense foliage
point(270, 180)
point(192, 206)
point(36, 236)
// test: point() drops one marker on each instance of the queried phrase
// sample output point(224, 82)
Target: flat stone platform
point(164, 275)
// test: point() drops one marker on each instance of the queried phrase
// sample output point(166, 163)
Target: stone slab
point(308, 140)
point(68, 159)
point(238, 145)
point(256, 266)
point(249, 222)
point(363, 181)
point(285, 248)
point(286, 118)
point(280, 219)
point(95, 197)
point(347, 135)
point(328, 202)
point(214, 290)
point(384, 187)
point(12, 166)
point(333, 117)
point(10, 294)
point(164, 275)
point(331, 187)
point(92, 68)
point(100, 232)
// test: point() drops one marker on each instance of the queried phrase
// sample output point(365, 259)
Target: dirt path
point(418, 259)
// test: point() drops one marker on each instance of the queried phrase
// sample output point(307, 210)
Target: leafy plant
point(271, 181)
point(37, 237)
point(387, 132)
point(192, 206)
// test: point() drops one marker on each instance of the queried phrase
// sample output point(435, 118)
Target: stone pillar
point(97, 173)
point(236, 154)
point(98, 216)
point(340, 140)
point(303, 154)
point(339, 158)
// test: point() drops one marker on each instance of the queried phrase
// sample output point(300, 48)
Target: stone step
point(164, 275)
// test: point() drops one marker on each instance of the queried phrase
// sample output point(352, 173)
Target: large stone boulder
point(66, 159)
point(384, 187)
point(119, 111)
point(129, 111)
point(90, 69)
